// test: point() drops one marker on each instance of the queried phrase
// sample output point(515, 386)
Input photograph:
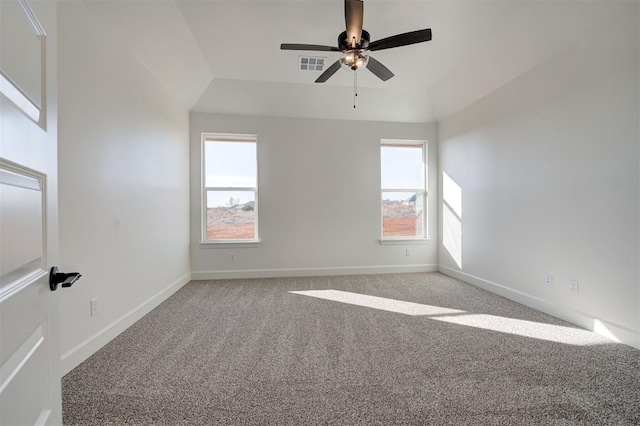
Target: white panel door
point(29, 343)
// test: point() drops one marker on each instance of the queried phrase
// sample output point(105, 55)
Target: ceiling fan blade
point(401, 40)
point(353, 17)
point(328, 72)
point(379, 70)
point(316, 47)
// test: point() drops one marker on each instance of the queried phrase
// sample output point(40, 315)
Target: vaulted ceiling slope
point(225, 57)
point(158, 36)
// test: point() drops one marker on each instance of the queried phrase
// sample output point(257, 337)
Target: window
point(404, 195)
point(230, 188)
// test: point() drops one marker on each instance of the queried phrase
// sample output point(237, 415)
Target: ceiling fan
point(355, 45)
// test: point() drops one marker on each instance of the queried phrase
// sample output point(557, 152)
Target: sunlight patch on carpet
point(531, 329)
point(382, 303)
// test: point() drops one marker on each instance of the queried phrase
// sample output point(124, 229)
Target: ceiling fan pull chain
point(355, 87)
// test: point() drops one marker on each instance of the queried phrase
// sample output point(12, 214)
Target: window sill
point(396, 241)
point(230, 244)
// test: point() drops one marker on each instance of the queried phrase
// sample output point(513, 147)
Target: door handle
point(66, 279)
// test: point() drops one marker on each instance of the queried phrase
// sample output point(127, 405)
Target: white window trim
point(219, 244)
point(404, 240)
point(422, 239)
point(204, 242)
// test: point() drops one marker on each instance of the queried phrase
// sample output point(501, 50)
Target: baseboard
point(84, 350)
point(311, 272)
point(608, 329)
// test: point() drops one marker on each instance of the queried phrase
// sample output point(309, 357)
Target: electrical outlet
point(407, 252)
point(232, 257)
point(573, 286)
point(93, 303)
point(548, 279)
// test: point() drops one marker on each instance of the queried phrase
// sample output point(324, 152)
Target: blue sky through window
point(230, 164)
point(402, 167)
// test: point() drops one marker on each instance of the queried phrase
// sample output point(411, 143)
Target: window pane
point(402, 214)
point(231, 215)
point(230, 164)
point(402, 167)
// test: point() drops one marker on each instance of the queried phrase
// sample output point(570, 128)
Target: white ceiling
point(224, 56)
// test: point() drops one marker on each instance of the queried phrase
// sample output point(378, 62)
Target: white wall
point(124, 186)
point(319, 198)
point(548, 171)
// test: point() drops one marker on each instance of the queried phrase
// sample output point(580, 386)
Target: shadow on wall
point(452, 218)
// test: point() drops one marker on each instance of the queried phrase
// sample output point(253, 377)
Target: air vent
point(311, 63)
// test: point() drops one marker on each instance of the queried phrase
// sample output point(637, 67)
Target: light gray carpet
point(250, 352)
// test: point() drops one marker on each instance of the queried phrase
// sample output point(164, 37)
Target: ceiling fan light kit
point(354, 60)
point(355, 45)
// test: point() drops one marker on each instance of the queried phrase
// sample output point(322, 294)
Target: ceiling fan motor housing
point(344, 44)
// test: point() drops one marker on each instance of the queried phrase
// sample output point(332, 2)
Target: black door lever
point(67, 280)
